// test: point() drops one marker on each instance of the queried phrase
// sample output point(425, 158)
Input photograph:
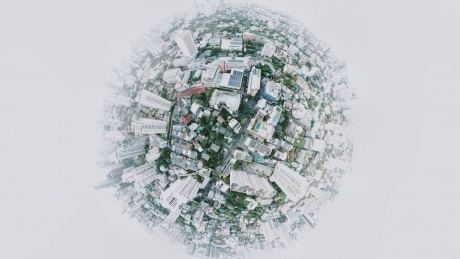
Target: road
point(250, 110)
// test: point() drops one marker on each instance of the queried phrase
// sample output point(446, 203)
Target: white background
point(401, 200)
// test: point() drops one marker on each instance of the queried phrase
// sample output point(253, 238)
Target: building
point(343, 92)
point(232, 80)
point(153, 101)
point(281, 143)
point(318, 145)
point(268, 50)
point(152, 155)
point(272, 91)
point(172, 76)
point(274, 115)
point(291, 183)
point(250, 184)
point(180, 192)
point(276, 234)
point(290, 69)
point(108, 147)
point(230, 99)
point(249, 36)
point(114, 136)
point(141, 176)
point(281, 155)
point(113, 178)
point(149, 126)
point(207, 7)
point(293, 50)
point(241, 155)
point(234, 44)
point(210, 75)
point(191, 91)
point(254, 81)
point(181, 62)
point(215, 42)
point(301, 114)
point(186, 43)
point(110, 124)
point(158, 141)
point(133, 148)
point(229, 63)
point(258, 169)
point(260, 129)
point(119, 99)
point(152, 43)
point(256, 146)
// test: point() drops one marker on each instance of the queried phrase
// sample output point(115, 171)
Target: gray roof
point(215, 147)
point(205, 156)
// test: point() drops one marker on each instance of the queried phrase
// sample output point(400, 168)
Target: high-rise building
point(186, 43)
point(291, 183)
point(114, 177)
point(180, 192)
point(110, 124)
point(268, 50)
point(272, 91)
point(109, 182)
point(242, 155)
point(254, 81)
point(119, 99)
point(251, 184)
point(172, 76)
point(228, 167)
point(152, 43)
point(153, 154)
point(105, 163)
point(135, 147)
point(153, 101)
point(114, 136)
point(141, 176)
point(149, 126)
point(108, 146)
point(136, 48)
point(158, 141)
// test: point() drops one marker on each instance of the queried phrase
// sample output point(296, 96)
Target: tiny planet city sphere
point(227, 129)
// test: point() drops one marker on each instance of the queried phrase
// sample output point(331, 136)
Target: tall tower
point(153, 101)
point(113, 178)
point(149, 126)
point(186, 43)
point(291, 183)
point(119, 99)
point(180, 192)
point(136, 147)
point(152, 44)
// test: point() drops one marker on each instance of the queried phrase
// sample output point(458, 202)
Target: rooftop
point(194, 90)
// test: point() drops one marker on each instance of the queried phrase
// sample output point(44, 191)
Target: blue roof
point(237, 73)
point(235, 78)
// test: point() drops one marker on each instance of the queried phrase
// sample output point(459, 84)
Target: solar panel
point(233, 83)
point(237, 73)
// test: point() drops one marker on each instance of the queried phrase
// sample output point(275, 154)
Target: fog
point(400, 201)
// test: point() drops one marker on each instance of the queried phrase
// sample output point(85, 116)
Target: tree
point(216, 51)
point(163, 93)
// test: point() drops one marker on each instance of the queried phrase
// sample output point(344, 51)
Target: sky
point(400, 201)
